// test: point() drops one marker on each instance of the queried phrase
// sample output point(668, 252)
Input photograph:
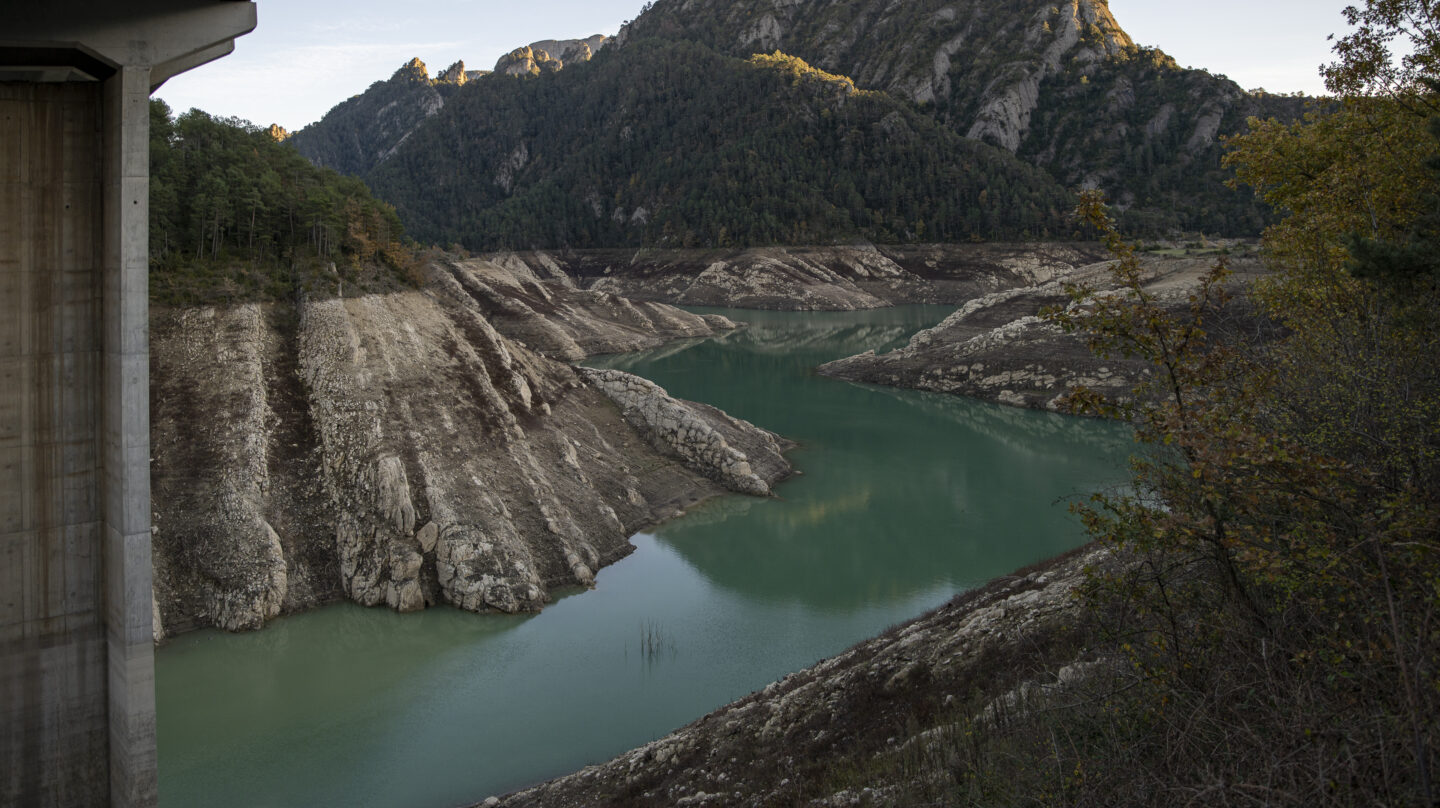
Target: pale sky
point(306, 56)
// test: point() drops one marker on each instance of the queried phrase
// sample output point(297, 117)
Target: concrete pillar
point(125, 402)
point(52, 639)
point(77, 666)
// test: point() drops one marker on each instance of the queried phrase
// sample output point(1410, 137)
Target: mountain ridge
point(705, 150)
point(1060, 87)
point(1031, 81)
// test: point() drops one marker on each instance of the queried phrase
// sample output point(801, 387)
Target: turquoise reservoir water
point(905, 499)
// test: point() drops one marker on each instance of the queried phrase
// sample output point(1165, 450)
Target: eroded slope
point(400, 449)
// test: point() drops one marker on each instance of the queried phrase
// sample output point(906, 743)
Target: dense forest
point(1160, 177)
point(672, 144)
point(234, 215)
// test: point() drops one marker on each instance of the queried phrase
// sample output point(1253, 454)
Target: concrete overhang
point(79, 40)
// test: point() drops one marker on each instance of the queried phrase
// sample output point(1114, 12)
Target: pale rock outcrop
point(1207, 127)
point(527, 61)
point(455, 74)
point(572, 51)
point(693, 432)
point(764, 34)
point(511, 166)
point(997, 347)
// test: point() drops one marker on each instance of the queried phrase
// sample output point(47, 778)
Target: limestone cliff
point(982, 60)
point(402, 450)
point(549, 55)
point(572, 51)
point(457, 75)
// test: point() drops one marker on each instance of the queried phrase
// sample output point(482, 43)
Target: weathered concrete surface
point(77, 697)
point(403, 450)
point(53, 700)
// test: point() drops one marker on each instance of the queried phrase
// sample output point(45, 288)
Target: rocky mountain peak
point(454, 74)
point(980, 60)
point(413, 70)
point(527, 61)
point(571, 51)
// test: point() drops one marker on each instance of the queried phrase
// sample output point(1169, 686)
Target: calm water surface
point(906, 499)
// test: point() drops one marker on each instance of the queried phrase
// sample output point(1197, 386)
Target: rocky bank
point(809, 738)
point(842, 278)
point(410, 449)
point(998, 347)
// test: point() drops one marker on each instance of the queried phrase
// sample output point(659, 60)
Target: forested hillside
point(670, 143)
point(234, 215)
point(911, 126)
point(1061, 84)
point(362, 131)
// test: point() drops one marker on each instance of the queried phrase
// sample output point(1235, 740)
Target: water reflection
point(906, 499)
point(901, 491)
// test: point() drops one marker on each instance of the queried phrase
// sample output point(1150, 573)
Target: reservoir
point(904, 499)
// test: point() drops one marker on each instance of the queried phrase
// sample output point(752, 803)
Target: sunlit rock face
point(572, 51)
point(527, 61)
point(402, 450)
